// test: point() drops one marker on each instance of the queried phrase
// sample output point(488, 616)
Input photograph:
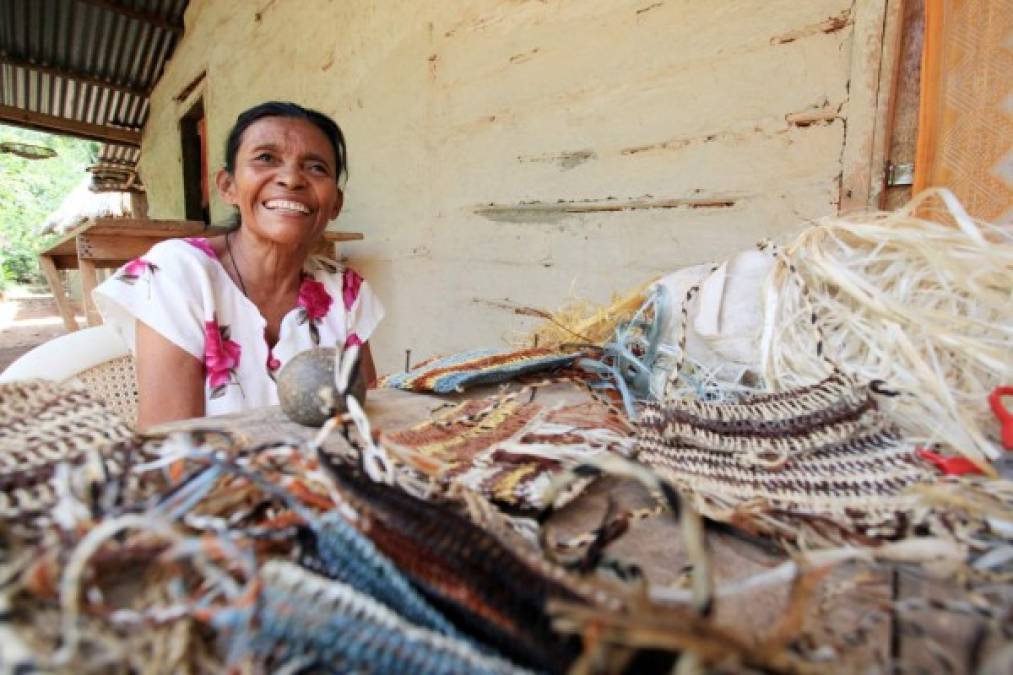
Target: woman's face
point(285, 181)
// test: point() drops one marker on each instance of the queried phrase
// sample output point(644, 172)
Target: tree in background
point(29, 191)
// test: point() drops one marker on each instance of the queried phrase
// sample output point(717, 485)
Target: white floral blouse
point(180, 289)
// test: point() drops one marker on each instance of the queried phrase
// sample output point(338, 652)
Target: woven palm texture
point(816, 465)
point(831, 468)
point(305, 557)
point(508, 447)
point(468, 369)
point(919, 297)
point(115, 384)
point(205, 546)
point(43, 425)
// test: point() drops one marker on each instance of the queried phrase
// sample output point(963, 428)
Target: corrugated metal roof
point(91, 63)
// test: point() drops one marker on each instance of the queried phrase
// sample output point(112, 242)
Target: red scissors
point(1004, 415)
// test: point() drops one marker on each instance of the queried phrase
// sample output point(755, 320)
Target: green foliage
point(29, 191)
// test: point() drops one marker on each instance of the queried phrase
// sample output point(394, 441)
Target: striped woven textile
point(305, 621)
point(468, 369)
point(817, 466)
point(508, 448)
point(44, 424)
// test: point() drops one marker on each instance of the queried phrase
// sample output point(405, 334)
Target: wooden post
point(89, 280)
point(59, 292)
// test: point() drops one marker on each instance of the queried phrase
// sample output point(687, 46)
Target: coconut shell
point(306, 387)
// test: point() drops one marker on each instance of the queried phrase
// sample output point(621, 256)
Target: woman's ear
point(338, 203)
point(226, 185)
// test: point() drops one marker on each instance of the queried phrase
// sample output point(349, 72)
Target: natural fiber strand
point(921, 298)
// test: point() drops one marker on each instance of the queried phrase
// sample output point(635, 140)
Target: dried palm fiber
point(457, 372)
point(818, 465)
point(44, 425)
point(921, 297)
point(507, 447)
point(215, 580)
point(381, 648)
point(332, 552)
point(484, 587)
point(300, 616)
point(578, 321)
point(112, 618)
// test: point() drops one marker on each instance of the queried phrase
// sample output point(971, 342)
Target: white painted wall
point(532, 150)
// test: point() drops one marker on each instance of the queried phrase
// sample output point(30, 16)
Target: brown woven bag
point(819, 465)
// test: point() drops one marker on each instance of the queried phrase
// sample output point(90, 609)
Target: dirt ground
point(28, 317)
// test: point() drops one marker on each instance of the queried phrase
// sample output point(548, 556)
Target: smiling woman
point(212, 320)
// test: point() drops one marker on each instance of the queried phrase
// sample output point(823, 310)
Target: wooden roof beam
point(146, 17)
point(67, 127)
point(83, 78)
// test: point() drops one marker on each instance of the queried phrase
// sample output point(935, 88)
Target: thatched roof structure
point(83, 203)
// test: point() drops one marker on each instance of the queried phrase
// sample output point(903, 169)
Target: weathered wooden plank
point(889, 69)
point(125, 228)
point(89, 280)
point(863, 97)
point(48, 267)
point(146, 227)
point(66, 243)
point(109, 247)
point(904, 131)
point(62, 125)
point(65, 261)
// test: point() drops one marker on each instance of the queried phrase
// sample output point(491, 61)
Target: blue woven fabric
point(339, 550)
point(343, 553)
point(303, 617)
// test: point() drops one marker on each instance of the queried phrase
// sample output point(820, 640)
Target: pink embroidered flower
point(350, 284)
point(314, 299)
point(272, 361)
point(221, 356)
point(135, 269)
point(202, 244)
point(353, 340)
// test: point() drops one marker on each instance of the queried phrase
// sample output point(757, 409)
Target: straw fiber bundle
point(921, 298)
point(579, 321)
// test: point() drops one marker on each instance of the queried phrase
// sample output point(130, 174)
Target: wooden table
point(110, 242)
point(839, 610)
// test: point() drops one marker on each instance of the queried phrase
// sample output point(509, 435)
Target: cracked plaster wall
point(530, 150)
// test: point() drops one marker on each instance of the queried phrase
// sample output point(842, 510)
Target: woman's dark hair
point(285, 109)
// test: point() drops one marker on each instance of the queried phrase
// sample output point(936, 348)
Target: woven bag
point(819, 465)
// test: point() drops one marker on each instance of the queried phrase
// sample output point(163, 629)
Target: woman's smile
point(287, 205)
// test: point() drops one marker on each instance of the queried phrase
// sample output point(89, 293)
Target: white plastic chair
point(94, 357)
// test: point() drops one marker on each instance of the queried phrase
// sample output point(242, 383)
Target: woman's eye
point(318, 168)
point(264, 157)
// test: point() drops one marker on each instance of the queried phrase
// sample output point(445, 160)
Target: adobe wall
point(532, 151)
